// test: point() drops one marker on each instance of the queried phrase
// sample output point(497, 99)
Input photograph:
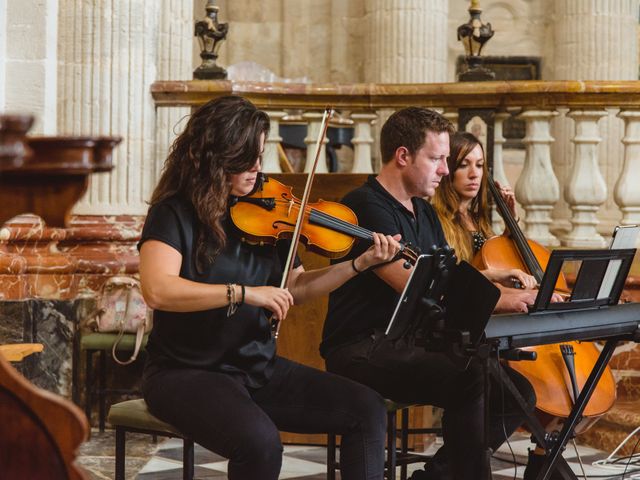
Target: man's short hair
point(408, 128)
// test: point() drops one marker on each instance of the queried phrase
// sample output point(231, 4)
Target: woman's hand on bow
point(274, 299)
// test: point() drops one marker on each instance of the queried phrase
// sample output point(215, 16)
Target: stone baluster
point(362, 142)
point(592, 40)
point(314, 122)
point(271, 158)
point(585, 189)
point(498, 165)
point(626, 192)
point(537, 188)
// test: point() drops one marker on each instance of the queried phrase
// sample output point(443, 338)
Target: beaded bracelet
point(231, 299)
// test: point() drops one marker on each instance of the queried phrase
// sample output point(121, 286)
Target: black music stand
point(598, 284)
point(432, 301)
point(448, 306)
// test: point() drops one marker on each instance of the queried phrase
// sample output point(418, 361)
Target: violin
point(549, 376)
point(328, 228)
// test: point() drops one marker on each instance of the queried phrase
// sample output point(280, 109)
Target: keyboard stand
point(554, 460)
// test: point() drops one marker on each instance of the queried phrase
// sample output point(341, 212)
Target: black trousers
point(220, 413)
point(410, 374)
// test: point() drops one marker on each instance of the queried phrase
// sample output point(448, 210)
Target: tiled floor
point(146, 461)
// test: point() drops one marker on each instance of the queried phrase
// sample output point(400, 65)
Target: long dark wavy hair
point(221, 138)
point(446, 201)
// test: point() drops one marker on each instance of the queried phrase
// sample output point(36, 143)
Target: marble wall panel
point(54, 323)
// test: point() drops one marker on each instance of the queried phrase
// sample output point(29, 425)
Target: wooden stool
point(133, 416)
point(395, 457)
point(103, 343)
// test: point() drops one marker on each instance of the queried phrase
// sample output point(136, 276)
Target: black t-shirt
point(366, 303)
point(239, 345)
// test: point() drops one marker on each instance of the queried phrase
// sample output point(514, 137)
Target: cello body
point(548, 374)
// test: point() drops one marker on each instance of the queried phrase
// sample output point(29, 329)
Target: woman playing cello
point(463, 208)
point(212, 369)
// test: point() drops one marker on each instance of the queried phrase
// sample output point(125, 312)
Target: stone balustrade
point(538, 189)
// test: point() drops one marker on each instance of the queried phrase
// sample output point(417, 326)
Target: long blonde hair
point(446, 200)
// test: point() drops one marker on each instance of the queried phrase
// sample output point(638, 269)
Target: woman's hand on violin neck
point(384, 249)
point(274, 299)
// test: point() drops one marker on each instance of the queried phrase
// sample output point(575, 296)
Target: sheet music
point(623, 237)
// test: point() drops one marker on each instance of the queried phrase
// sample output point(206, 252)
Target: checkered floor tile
point(309, 463)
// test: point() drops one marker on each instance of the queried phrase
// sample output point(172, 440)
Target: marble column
point(405, 42)
point(537, 188)
point(110, 53)
point(626, 192)
point(585, 189)
point(593, 40)
point(174, 57)
point(3, 54)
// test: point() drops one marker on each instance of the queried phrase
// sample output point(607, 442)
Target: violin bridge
point(290, 207)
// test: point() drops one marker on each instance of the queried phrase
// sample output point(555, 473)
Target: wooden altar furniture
point(46, 175)
point(39, 431)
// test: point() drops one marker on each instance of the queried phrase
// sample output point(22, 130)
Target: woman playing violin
point(212, 370)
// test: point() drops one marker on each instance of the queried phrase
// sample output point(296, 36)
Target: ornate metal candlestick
point(210, 34)
point(473, 35)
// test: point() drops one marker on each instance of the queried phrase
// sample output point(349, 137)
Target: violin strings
point(337, 224)
point(333, 222)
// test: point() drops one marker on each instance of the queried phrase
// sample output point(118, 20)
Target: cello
point(551, 374)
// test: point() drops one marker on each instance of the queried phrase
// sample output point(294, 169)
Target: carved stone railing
point(537, 190)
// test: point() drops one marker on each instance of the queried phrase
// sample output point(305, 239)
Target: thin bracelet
point(242, 298)
point(353, 264)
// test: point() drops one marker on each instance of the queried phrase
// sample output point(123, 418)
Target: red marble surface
point(37, 261)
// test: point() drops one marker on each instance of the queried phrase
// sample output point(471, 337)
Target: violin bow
point(328, 112)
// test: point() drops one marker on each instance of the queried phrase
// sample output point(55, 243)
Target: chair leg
point(188, 469)
point(404, 442)
point(391, 446)
point(331, 457)
point(88, 385)
point(102, 382)
point(120, 452)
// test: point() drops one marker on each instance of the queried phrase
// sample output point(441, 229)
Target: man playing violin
point(414, 143)
point(212, 370)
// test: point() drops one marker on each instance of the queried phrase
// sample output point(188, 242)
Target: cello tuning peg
point(407, 264)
